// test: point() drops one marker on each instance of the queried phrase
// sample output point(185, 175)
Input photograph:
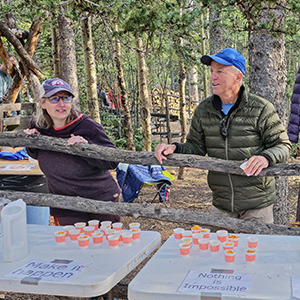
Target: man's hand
point(255, 164)
point(162, 151)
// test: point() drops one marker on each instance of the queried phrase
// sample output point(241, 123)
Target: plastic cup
point(134, 225)
point(196, 229)
point(106, 223)
point(60, 236)
point(74, 234)
point(250, 255)
point(205, 232)
point(178, 233)
point(214, 245)
point(94, 223)
point(83, 241)
point(117, 226)
point(88, 230)
point(109, 232)
point(127, 238)
point(228, 245)
point(80, 225)
point(222, 235)
point(67, 228)
point(234, 238)
point(203, 244)
point(187, 233)
point(196, 237)
point(187, 240)
point(97, 237)
point(113, 241)
point(119, 234)
point(229, 255)
point(104, 227)
point(184, 248)
point(136, 233)
point(252, 241)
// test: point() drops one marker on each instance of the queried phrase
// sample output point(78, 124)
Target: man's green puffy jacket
point(254, 128)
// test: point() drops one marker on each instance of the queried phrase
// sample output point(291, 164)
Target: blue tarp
point(132, 178)
point(21, 154)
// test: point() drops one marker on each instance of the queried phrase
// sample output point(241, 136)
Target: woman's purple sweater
point(294, 121)
point(73, 175)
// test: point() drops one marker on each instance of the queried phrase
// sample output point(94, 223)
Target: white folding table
point(277, 261)
point(106, 266)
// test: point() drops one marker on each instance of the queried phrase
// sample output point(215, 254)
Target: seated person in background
point(6, 82)
point(67, 174)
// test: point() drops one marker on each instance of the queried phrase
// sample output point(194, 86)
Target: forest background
point(133, 48)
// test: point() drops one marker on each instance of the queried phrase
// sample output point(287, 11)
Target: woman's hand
point(31, 131)
point(74, 139)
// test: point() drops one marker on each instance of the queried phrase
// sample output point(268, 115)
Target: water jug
point(15, 244)
point(3, 201)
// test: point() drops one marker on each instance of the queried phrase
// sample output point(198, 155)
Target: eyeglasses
point(224, 128)
point(64, 99)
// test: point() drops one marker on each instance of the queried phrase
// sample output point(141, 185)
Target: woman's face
point(59, 111)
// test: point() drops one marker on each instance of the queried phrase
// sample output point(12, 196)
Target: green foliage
point(115, 130)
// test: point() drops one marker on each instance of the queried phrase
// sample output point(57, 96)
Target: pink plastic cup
point(94, 223)
point(88, 230)
point(234, 239)
point(97, 237)
point(214, 245)
point(229, 255)
point(250, 255)
point(252, 241)
point(109, 232)
point(113, 241)
point(203, 244)
point(196, 229)
point(228, 245)
point(222, 235)
point(187, 233)
point(184, 248)
point(127, 238)
point(117, 226)
point(136, 233)
point(74, 234)
point(67, 228)
point(134, 225)
point(196, 237)
point(178, 233)
point(83, 241)
point(205, 232)
point(60, 236)
point(80, 225)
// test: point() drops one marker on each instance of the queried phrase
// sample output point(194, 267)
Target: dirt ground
point(192, 193)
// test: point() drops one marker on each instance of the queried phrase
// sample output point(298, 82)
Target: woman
point(69, 174)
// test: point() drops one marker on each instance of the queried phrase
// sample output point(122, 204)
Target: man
point(233, 124)
point(6, 82)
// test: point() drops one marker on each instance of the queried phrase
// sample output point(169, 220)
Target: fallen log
point(17, 139)
point(146, 210)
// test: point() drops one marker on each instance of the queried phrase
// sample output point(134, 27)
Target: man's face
point(224, 80)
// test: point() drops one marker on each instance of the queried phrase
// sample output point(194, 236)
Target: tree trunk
point(267, 74)
point(204, 68)
point(215, 29)
point(143, 94)
point(68, 64)
point(55, 48)
point(182, 105)
point(121, 81)
point(90, 67)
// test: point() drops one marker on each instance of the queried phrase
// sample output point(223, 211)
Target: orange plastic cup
point(222, 235)
point(97, 237)
point(136, 233)
point(228, 245)
point(83, 241)
point(178, 233)
point(234, 239)
point(94, 223)
point(229, 255)
point(74, 234)
point(252, 241)
point(80, 225)
point(205, 232)
point(127, 238)
point(214, 245)
point(203, 244)
point(113, 241)
point(67, 228)
point(184, 248)
point(250, 255)
point(60, 236)
point(88, 230)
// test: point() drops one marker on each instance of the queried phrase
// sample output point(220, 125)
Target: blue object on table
point(132, 178)
point(21, 154)
point(37, 215)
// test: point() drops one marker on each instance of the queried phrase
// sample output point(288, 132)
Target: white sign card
point(17, 168)
point(48, 271)
point(296, 287)
point(209, 282)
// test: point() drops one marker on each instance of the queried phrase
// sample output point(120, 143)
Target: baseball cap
point(52, 86)
point(227, 57)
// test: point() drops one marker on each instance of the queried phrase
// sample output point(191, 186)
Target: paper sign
point(296, 287)
point(17, 168)
point(48, 271)
point(205, 281)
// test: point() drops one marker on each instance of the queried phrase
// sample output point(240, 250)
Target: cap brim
point(52, 92)
point(206, 59)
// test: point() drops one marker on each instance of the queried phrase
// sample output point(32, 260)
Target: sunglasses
point(224, 128)
point(64, 99)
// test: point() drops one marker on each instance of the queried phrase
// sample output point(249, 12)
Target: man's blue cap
point(227, 57)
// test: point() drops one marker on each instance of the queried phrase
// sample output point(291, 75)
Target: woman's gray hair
point(43, 120)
